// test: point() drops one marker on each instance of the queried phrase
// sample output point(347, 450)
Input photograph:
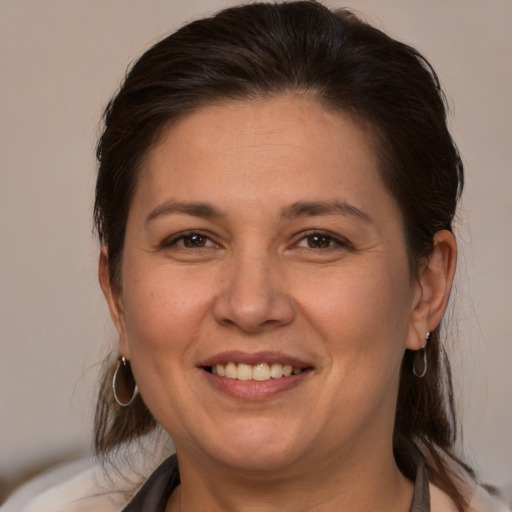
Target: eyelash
point(174, 241)
point(334, 242)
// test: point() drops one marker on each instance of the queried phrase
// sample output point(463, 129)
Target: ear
point(433, 287)
point(113, 295)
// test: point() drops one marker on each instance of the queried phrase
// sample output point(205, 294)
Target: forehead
point(285, 141)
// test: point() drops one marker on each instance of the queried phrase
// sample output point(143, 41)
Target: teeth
point(276, 370)
point(231, 371)
point(259, 372)
point(244, 372)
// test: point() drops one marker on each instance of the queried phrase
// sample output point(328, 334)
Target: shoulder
point(479, 501)
point(482, 501)
point(85, 485)
point(78, 486)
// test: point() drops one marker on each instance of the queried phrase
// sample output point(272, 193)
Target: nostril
point(253, 312)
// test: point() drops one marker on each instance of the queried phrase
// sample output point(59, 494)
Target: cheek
point(363, 317)
point(163, 313)
point(361, 299)
point(161, 329)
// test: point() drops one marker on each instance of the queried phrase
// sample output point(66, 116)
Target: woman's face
point(261, 240)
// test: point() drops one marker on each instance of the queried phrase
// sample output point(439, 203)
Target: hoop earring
point(123, 383)
point(425, 361)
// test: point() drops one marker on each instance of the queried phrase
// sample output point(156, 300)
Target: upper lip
point(253, 358)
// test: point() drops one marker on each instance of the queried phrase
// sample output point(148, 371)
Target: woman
point(274, 203)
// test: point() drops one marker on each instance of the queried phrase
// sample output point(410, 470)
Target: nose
point(253, 295)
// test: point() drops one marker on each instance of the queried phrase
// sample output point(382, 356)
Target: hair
point(300, 47)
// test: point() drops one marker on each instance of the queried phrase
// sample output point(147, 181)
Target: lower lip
point(254, 389)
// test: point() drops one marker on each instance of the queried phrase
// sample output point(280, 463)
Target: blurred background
point(61, 61)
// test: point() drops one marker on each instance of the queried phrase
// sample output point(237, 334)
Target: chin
point(260, 460)
point(258, 448)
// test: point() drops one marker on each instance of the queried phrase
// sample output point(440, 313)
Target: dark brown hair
point(301, 47)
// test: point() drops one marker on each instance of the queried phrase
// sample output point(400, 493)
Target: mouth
point(255, 375)
point(259, 372)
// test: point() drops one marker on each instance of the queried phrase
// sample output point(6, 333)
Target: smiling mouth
point(258, 372)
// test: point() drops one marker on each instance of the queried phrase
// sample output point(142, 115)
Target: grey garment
point(156, 491)
point(421, 496)
point(154, 494)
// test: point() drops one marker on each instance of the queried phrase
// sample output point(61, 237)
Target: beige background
point(60, 61)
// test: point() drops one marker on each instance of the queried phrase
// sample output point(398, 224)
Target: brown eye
point(318, 241)
point(190, 240)
point(323, 242)
point(194, 241)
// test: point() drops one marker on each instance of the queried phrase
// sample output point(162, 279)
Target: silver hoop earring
point(424, 362)
point(123, 383)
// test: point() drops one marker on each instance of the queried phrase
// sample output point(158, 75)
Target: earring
point(123, 383)
point(425, 361)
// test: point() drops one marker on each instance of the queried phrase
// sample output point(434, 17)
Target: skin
point(256, 279)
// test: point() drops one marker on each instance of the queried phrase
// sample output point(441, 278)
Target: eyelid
point(173, 239)
point(338, 240)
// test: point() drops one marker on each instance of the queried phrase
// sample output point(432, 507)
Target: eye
point(195, 240)
point(318, 241)
point(321, 241)
point(191, 240)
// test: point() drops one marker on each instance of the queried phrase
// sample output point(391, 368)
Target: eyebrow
point(296, 210)
point(317, 208)
point(195, 209)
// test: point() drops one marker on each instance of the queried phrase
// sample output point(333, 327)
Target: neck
point(349, 485)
